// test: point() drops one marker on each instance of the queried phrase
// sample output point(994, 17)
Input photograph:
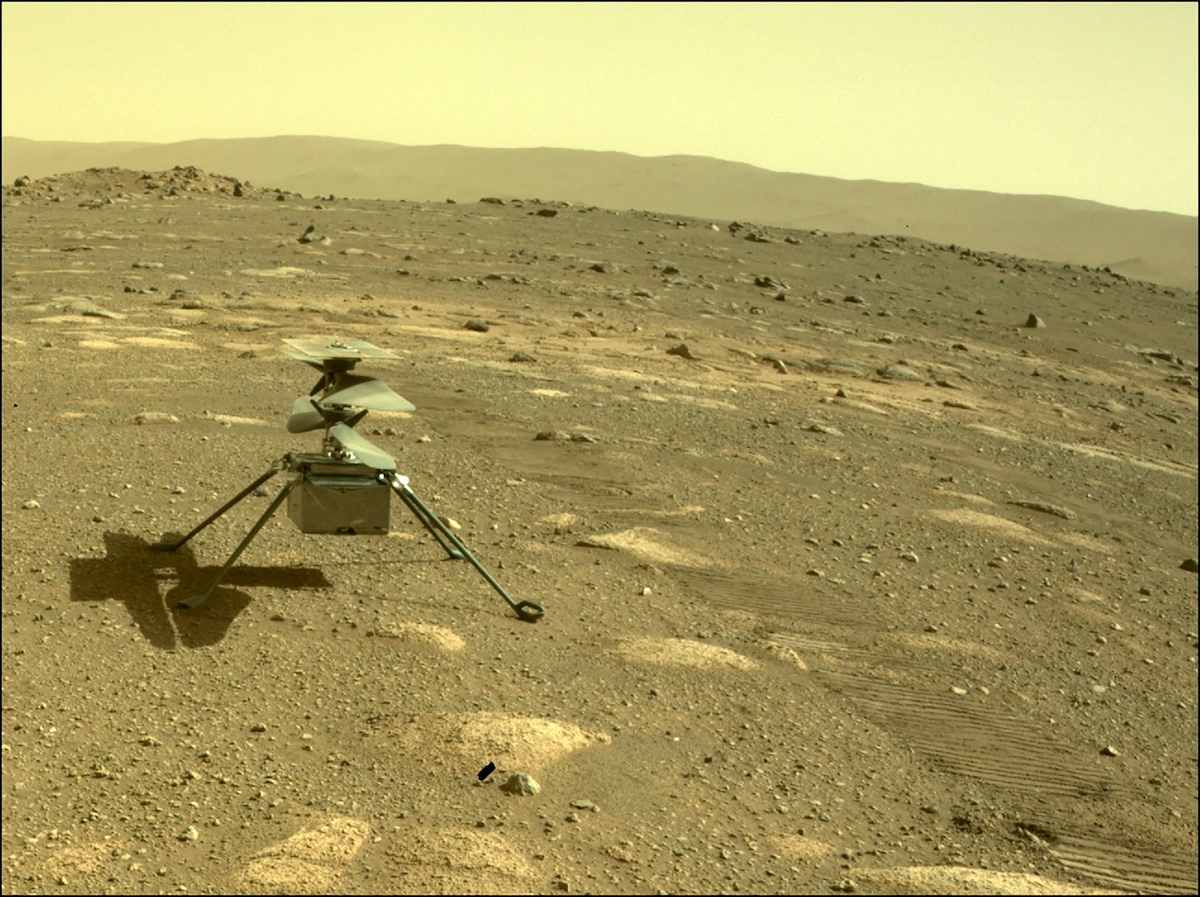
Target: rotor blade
point(305, 416)
point(366, 453)
point(308, 361)
point(366, 392)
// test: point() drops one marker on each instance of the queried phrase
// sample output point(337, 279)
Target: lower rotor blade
point(305, 416)
point(363, 450)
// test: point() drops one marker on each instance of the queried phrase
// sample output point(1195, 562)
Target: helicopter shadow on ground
point(134, 573)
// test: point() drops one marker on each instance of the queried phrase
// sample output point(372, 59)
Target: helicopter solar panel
point(335, 348)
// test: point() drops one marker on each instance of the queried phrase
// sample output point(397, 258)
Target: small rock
point(547, 213)
point(856, 299)
point(910, 556)
point(898, 372)
point(1046, 508)
point(551, 436)
point(1110, 751)
point(90, 309)
point(605, 268)
point(478, 325)
point(450, 523)
point(261, 492)
point(1189, 564)
point(769, 283)
point(155, 417)
point(521, 783)
point(190, 834)
point(845, 886)
point(682, 351)
point(31, 505)
point(572, 817)
point(1034, 321)
point(522, 357)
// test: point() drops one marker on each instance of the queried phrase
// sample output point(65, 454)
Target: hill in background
point(1155, 246)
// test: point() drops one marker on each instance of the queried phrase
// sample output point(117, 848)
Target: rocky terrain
point(868, 563)
point(1155, 246)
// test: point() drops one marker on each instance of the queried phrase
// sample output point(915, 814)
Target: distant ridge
point(1154, 246)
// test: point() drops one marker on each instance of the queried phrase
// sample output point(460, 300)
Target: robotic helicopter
point(346, 487)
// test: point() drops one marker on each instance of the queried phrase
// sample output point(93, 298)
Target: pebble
point(605, 268)
point(1110, 751)
point(31, 504)
point(910, 556)
point(478, 325)
point(1034, 321)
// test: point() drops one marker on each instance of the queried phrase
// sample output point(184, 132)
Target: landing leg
point(175, 546)
point(526, 610)
point(196, 601)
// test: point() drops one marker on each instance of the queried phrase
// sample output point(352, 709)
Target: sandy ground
point(870, 588)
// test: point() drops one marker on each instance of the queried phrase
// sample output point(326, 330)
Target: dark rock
point(605, 268)
point(1034, 321)
point(1189, 564)
point(547, 213)
point(551, 436)
point(524, 357)
point(494, 200)
point(478, 325)
point(856, 299)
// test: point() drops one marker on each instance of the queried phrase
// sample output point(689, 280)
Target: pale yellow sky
point(1096, 101)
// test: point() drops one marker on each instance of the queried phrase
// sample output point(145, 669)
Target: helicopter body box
point(340, 504)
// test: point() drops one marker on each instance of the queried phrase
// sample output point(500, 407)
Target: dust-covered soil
point(853, 581)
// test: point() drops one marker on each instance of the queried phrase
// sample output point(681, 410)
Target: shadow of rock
point(134, 573)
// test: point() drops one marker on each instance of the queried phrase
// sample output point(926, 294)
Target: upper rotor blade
point(305, 416)
point(366, 392)
point(308, 361)
point(366, 453)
